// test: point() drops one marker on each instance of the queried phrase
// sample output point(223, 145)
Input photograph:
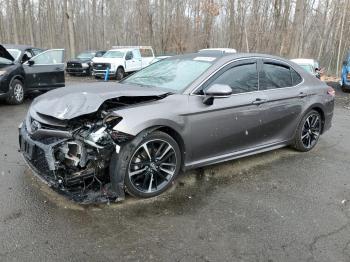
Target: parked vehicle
point(81, 65)
point(222, 50)
point(310, 65)
point(177, 114)
point(25, 68)
point(345, 73)
point(122, 60)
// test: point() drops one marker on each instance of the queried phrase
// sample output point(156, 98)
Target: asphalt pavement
point(277, 206)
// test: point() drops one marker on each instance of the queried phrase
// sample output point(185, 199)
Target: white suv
point(121, 60)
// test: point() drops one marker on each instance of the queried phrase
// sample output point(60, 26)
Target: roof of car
point(304, 61)
point(221, 58)
point(224, 50)
point(20, 47)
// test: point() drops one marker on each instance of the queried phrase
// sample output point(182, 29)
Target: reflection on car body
point(98, 140)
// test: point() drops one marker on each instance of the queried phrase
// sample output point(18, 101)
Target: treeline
point(291, 28)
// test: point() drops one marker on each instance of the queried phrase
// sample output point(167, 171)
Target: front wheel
point(119, 75)
point(154, 161)
point(308, 131)
point(16, 94)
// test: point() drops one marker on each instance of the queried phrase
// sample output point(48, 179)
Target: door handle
point(302, 95)
point(259, 101)
point(57, 68)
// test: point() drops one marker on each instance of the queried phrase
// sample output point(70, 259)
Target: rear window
point(275, 76)
point(146, 52)
point(296, 78)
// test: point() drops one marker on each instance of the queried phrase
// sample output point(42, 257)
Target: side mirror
point(216, 91)
point(128, 57)
point(30, 62)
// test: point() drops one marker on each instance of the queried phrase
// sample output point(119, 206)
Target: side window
point(36, 51)
point(99, 54)
point(136, 54)
point(128, 55)
point(146, 52)
point(27, 55)
point(296, 78)
point(49, 57)
point(274, 76)
point(241, 78)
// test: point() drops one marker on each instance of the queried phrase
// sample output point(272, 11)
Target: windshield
point(172, 74)
point(15, 53)
point(114, 54)
point(86, 55)
point(308, 68)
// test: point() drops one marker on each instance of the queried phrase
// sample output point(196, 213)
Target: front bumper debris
point(40, 157)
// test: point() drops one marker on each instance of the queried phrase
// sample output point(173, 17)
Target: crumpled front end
point(73, 158)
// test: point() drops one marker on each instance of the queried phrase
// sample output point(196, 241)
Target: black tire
point(344, 89)
point(308, 132)
point(16, 93)
point(119, 75)
point(89, 71)
point(97, 77)
point(152, 180)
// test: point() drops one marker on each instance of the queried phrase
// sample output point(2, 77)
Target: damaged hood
point(72, 101)
point(5, 54)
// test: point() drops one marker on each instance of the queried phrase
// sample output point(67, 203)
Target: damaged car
point(96, 141)
point(25, 68)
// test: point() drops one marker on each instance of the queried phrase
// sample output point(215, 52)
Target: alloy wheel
point(311, 130)
point(152, 166)
point(18, 92)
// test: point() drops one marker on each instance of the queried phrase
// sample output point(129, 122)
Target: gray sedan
point(98, 140)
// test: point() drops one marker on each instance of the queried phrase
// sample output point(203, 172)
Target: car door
point(230, 124)
point(133, 61)
point(45, 70)
point(286, 98)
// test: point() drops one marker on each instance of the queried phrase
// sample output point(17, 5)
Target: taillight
point(331, 91)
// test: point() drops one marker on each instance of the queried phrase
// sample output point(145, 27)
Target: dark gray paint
point(235, 126)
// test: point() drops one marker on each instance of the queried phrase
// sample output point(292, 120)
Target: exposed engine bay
point(73, 156)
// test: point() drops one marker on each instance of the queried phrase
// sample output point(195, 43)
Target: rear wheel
point(308, 132)
point(16, 94)
point(153, 164)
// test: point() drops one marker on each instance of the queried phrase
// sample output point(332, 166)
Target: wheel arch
point(320, 110)
point(174, 134)
point(17, 77)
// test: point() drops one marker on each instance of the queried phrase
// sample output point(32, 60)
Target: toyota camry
point(99, 140)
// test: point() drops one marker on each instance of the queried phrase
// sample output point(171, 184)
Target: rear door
point(147, 55)
point(285, 100)
point(45, 70)
point(133, 60)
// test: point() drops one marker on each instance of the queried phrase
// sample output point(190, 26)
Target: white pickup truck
point(121, 60)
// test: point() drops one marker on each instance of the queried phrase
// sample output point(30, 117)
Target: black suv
point(81, 65)
point(25, 68)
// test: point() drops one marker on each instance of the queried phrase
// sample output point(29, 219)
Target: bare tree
point(290, 28)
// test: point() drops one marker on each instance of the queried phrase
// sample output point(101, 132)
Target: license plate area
point(27, 148)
